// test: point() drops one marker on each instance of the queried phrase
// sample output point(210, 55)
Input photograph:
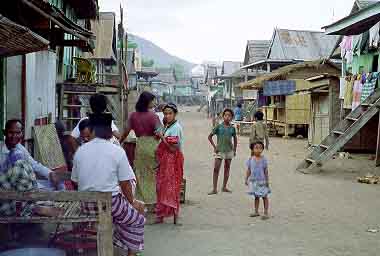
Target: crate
point(183, 192)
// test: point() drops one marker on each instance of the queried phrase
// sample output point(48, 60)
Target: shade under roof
point(16, 39)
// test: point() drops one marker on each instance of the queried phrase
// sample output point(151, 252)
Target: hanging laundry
point(369, 86)
point(356, 43)
point(346, 48)
point(357, 92)
point(347, 103)
point(374, 36)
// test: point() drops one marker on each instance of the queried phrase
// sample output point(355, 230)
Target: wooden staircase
point(343, 133)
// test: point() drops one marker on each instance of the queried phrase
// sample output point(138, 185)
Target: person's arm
point(235, 141)
point(127, 190)
point(125, 134)
point(37, 167)
point(266, 176)
point(247, 175)
point(266, 173)
point(210, 139)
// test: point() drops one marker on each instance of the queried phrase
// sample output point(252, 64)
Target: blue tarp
point(280, 87)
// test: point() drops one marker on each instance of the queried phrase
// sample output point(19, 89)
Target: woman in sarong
point(101, 166)
point(170, 172)
point(146, 125)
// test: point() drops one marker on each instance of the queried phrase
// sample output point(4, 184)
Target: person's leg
point(257, 204)
point(218, 163)
point(256, 208)
point(227, 166)
point(266, 208)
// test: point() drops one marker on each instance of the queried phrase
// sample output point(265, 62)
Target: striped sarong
point(128, 223)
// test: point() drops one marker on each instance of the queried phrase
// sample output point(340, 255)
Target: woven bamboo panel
point(47, 147)
point(298, 109)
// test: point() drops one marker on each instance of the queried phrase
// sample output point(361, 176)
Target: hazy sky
point(218, 30)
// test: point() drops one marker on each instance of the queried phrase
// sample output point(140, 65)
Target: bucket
point(34, 252)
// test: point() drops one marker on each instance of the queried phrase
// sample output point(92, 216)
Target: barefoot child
point(224, 150)
point(257, 178)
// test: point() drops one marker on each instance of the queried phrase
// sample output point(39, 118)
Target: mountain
point(161, 58)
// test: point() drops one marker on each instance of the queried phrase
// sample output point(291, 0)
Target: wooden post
point(105, 231)
point(378, 145)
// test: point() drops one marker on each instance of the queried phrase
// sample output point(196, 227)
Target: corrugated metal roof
point(230, 67)
point(361, 4)
point(300, 45)
point(256, 50)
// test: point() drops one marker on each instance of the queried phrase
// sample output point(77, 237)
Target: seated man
point(101, 166)
point(18, 177)
point(13, 135)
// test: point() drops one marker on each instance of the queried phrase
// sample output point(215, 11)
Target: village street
point(321, 214)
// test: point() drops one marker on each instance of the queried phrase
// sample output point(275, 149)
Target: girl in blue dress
point(257, 179)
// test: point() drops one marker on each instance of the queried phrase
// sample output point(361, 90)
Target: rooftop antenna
point(333, 15)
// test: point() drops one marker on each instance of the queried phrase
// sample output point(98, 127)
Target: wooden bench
point(71, 204)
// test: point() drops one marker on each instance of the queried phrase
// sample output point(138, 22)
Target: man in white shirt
point(101, 166)
point(98, 104)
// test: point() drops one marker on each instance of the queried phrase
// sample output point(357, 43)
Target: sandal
point(254, 215)
point(265, 217)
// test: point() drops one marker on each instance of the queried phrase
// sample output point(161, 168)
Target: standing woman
point(146, 125)
point(170, 172)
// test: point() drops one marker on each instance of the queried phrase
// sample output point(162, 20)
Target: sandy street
point(321, 214)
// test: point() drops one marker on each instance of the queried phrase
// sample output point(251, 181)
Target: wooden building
point(283, 109)
point(324, 106)
point(359, 45)
point(57, 31)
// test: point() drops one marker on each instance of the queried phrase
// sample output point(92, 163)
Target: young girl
point(257, 178)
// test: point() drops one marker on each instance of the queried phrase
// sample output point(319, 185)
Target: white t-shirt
point(76, 133)
point(99, 165)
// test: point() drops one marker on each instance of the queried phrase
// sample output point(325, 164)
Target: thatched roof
point(285, 72)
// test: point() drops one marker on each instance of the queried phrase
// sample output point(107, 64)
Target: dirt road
point(323, 214)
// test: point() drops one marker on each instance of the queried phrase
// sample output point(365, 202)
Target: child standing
point(224, 150)
point(257, 178)
point(259, 132)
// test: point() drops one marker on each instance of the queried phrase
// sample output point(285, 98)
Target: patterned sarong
point(145, 166)
point(128, 232)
